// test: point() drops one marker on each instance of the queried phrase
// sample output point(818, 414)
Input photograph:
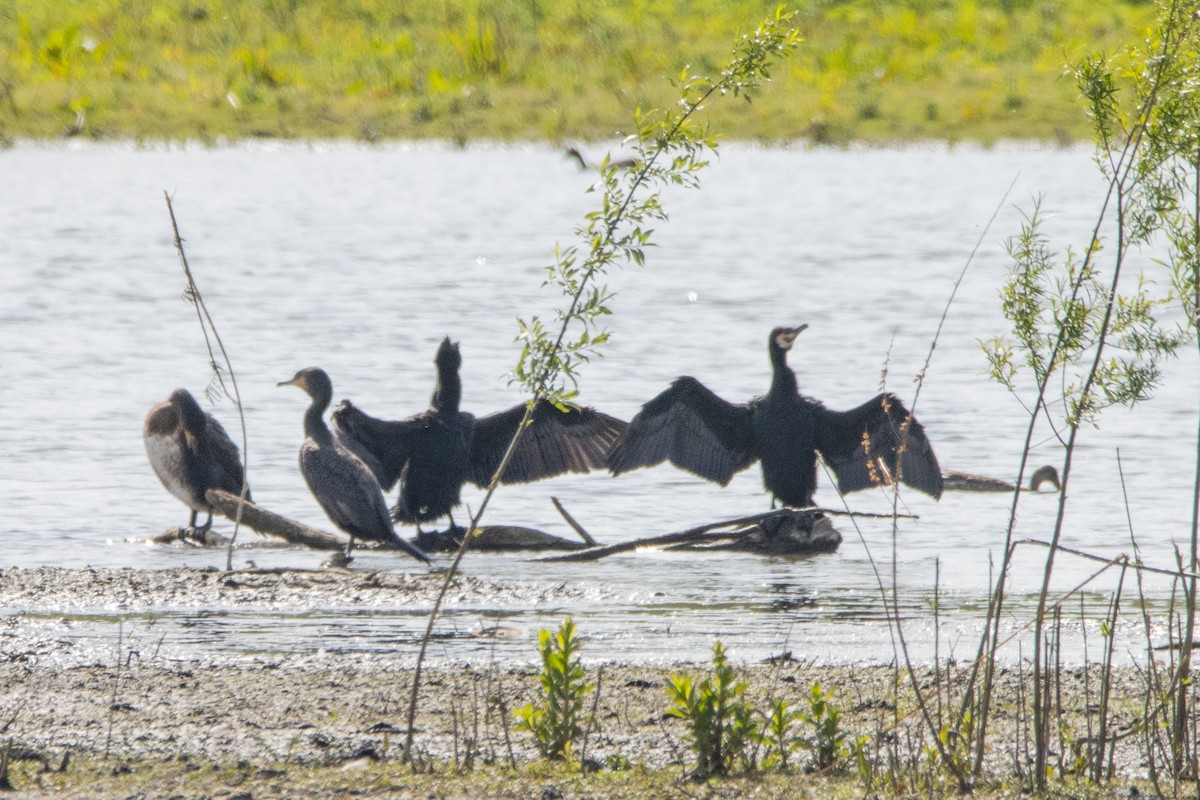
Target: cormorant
point(434, 453)
point(342, 484)
point(713, 438)
point(954, 480)
point(191, 453)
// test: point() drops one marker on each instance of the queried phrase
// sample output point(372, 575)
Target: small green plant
point(557, 721)
point(864, 764)
point(720, 722)
point(777, 734)
point(953, 752)
point(827, 740)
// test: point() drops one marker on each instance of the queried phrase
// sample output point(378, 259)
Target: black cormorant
point(191, 453)
point(434, 453)
point(342, 484)
point(957, 481)
point(713, 438)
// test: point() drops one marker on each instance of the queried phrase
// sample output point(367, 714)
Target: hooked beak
point(788, 336)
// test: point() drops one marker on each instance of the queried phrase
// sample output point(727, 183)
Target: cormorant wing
point(223, 455)
point(350, 496)
point(557, 441)
point(860, 446)
point(384, 446)
point(688, 424)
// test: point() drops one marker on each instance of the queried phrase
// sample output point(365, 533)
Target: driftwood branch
point(270, 523)
point(587, 537)
point(697, 534)
point(503, 538)
point(495, 538)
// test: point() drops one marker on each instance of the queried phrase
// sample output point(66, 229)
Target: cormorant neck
point(784, 379)
point(314, 421)
point(448, 393)
point(190, 413)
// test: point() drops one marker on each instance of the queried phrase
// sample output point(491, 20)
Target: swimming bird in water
point(342, 484)
point(621, 162)
point(954, 480)
point(191, 453)
point(434, 453)
point(873, 444)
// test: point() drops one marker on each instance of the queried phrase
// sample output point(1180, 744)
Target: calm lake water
point(360, 259)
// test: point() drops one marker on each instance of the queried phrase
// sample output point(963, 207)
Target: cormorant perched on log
point(191, 453)
point(713, 438)
point(342, 484)
point(434, 453)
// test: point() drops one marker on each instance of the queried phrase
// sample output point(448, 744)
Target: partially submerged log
point(786, 531)
point(492, 538)
point(190, 536)
point(495, 538)
point(271, 524)
point(256, 518)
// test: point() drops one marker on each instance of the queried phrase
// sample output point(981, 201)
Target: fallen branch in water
point(702, 533)
point(270, 523)
point(496, 538)
point(575, 526)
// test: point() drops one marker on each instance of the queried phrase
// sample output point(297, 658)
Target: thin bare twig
point(206, 324)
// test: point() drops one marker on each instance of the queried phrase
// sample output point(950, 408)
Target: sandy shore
point(61, 699)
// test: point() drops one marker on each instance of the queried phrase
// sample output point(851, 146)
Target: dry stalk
point(206, 324)
point(900, 643)
point(112, 702)
point(5, 759)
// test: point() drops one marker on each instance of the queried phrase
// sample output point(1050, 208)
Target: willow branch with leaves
point(670, 152)
point(1071, 323)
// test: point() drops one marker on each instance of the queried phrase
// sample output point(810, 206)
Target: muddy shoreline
point(129, 701)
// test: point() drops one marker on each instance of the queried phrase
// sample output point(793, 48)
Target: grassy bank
point(98, 780)
point(466, 70)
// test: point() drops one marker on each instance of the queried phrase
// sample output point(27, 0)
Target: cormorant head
point(448, 358)
point(312, 380)
point(782, 337)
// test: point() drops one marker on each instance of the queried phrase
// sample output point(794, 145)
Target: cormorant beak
point(786, 338)
point(291, 382)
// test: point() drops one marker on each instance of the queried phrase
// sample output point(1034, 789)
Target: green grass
point(541, 69)
point(97, 780)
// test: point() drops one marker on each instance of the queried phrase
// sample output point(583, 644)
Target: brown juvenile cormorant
point(434, 453)
point(191, 453)
point(713, 438)
point(342, 484)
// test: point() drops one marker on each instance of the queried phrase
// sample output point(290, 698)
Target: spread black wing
point(384, 446)
point(874, 444)
point(688, 424)
point(557, 441)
